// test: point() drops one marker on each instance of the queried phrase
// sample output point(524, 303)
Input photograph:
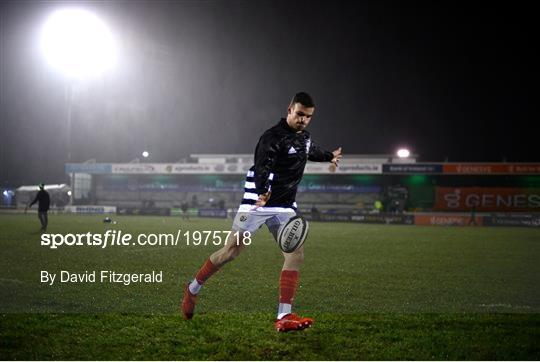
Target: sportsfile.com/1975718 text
point(119, 238)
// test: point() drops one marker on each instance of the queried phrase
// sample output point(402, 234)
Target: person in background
point(184, 208)
point(472, 220)
point(378, 206)
point(44, 201)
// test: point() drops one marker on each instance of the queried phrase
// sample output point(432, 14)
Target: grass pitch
point(375, 291)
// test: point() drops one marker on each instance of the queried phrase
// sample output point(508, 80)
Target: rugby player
point(270, 190)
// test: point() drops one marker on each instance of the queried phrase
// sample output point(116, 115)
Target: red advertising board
point(487, 199)
point(492, 168)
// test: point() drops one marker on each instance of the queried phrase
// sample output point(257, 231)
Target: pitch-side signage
point(311, 168)
point(344, 168)
point(90, 209)
point(487, 199)
point(492, 168)
point(513, 220)
point(93, 168)
point(446, 220)
point(412, 168)
point(211, 168)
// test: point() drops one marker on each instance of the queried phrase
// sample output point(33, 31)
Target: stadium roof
point(47, 187)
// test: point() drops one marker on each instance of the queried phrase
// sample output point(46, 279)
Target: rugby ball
point(292, 234)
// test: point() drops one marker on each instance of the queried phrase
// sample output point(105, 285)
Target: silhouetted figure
point(184, 208)
point(194, 201)
point(44, 201)
point(315, 213)
point(472, 221)
point(378, 206)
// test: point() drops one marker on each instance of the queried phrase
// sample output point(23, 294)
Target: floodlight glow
point(77, 43)
point(69, 193)
point(145, 154)
point(403, 153)
point(5, 193)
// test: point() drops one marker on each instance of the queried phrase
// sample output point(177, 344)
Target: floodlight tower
point(78, 44)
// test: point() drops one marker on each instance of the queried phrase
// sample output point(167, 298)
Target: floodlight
point(403, 153)
point(77, 43)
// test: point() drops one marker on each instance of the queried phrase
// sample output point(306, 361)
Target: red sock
point(287, 285)
point(207, 270)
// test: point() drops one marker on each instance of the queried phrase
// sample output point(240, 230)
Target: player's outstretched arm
point(337, 156)
point(318, 154)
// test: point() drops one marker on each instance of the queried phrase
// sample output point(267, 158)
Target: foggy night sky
point(449, 80)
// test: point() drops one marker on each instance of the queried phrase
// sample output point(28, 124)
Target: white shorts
point(249, 218)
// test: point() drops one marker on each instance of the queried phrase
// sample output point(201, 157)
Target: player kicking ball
point(269, 198)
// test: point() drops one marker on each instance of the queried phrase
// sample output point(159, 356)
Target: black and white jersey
point(280, 158)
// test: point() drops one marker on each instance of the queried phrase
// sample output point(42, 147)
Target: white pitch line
point(12, 281)
point(504, 305)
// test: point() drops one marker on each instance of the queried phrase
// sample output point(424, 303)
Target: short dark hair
point(304, 99)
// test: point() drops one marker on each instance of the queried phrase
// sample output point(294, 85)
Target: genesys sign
point(487, 199)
